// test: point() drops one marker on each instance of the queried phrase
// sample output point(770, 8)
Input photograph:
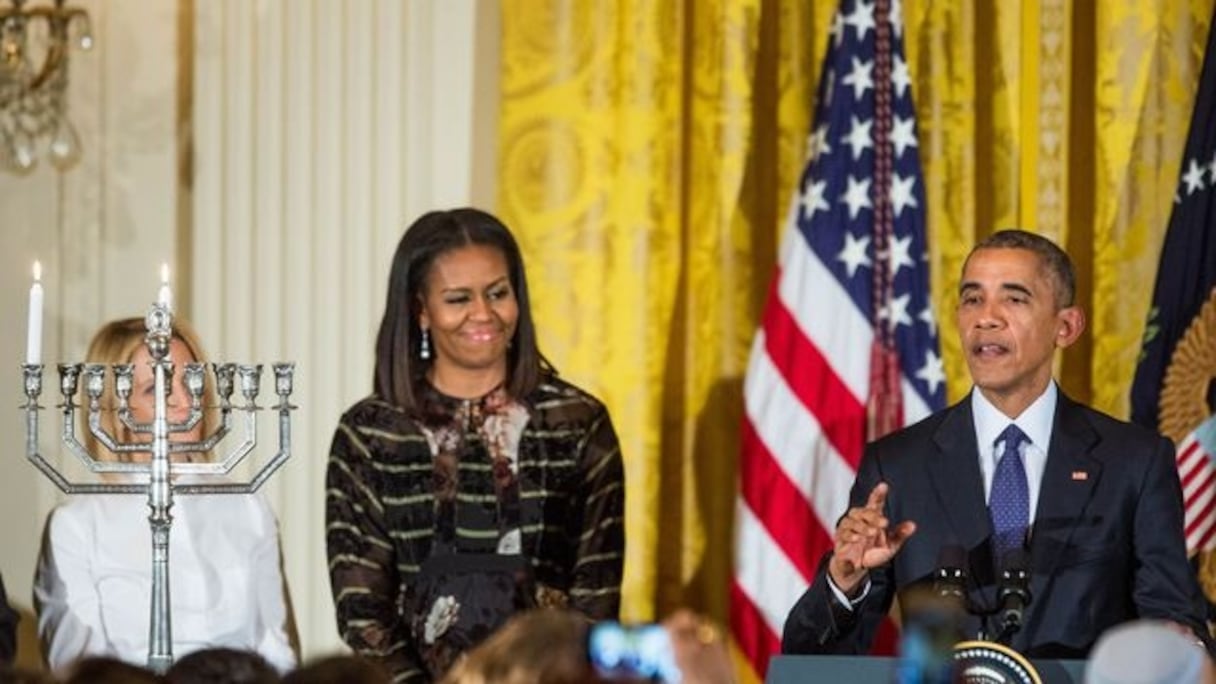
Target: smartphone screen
point(635, 652)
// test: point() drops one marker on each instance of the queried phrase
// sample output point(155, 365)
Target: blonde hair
point(117, 342)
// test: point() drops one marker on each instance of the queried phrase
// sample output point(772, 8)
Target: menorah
point(161, 483)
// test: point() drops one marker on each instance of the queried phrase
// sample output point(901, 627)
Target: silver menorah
point(161, 484)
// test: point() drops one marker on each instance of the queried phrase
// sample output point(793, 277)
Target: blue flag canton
point(836, 204)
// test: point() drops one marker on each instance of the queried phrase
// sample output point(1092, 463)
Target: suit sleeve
point(818, 623)
point(1164, 583)
point(599, 532)
point(363, 562)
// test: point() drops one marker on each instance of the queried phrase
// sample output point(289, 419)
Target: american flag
point(847, 347)
point(1171, 390)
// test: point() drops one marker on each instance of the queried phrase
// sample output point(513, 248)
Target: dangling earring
point(424, 347)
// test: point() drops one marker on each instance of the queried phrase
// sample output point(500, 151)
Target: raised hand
point(866, 540)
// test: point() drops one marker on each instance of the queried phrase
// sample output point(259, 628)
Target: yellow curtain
point(647, 153)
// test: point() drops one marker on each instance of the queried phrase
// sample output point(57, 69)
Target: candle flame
point(164, 273)
point(37, 270)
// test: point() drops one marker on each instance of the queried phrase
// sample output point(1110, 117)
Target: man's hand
point(865, 540)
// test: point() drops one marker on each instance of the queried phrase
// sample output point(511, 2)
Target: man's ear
point(1070, 323)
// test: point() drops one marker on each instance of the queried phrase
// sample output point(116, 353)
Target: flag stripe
point(838, 331)
point(1204, 505)
point(1202, 535)
point(756, 639)
point(1200, 486)
point(816, 384)
point(1208, 541)
point(771, 496)
point(1191, 463)
point(763, 572)
point(793, 438)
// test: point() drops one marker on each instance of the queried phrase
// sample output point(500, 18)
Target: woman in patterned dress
point(473, 483)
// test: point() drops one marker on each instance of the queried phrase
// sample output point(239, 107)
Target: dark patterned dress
point(388, 475)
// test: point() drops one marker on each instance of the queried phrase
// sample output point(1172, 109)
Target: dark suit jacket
point(1106, 545)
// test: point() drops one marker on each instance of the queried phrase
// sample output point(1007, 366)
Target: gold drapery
point(648, 150)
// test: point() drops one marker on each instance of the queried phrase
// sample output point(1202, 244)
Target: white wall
point(316, 132)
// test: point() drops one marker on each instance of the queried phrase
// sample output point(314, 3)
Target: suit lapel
point(955, 472)
point(1068, 484)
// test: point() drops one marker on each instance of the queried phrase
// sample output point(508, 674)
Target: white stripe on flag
point(764, 573)
point(1204, 478)
point(1193, 539)
point(795, 439)
point(826, 315)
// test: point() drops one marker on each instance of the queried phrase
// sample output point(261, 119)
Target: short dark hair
point(1051, 257)
point(399, 370)
point(222, 666)
point(109, 670)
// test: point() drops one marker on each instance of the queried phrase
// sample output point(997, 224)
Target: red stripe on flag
point(752, 633)
point(840, 415)
point(1207, 534)
point(779, 505)
point(1190, 529)
point(1188, 465)
point(1208, 475)
point(1185, 453)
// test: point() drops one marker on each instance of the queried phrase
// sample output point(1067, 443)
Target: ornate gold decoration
point(1184, 392)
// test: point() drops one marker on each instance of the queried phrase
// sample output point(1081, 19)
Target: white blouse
point(93, 585)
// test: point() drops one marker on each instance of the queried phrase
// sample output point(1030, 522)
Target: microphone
point(950, 577)
point(1013, 596)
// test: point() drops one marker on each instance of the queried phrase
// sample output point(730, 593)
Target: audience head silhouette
point(1148, 652)
point(342, 669)
point(221, 666)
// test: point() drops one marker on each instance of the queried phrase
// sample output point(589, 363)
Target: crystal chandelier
point(34, 45)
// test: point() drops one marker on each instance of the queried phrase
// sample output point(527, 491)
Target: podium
point(788, 669)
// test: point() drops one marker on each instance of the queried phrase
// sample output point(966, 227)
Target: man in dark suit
point(1015, 476)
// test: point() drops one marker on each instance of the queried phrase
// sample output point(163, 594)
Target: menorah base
point(160, 664)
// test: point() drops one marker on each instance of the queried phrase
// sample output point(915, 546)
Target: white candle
point(33, 342)
point(164, 296)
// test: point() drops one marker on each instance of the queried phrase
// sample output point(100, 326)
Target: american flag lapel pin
point(1079, 475)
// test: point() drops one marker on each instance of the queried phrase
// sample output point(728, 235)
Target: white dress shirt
point(1035, 422)
point(93, 585)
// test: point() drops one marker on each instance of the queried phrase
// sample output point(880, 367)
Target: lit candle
point(33, 343)
point(164, 296)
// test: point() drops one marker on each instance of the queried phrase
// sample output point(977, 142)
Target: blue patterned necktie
point(1009, 502)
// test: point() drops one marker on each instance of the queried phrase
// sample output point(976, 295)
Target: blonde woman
point(93, 584)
